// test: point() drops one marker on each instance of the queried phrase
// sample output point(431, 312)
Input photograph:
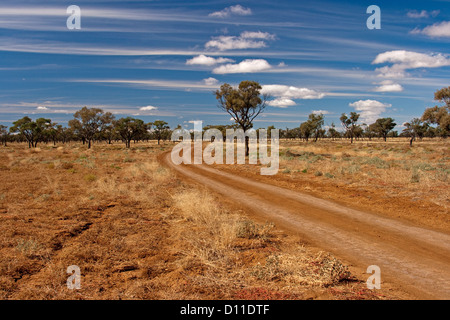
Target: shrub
point(250, 230)
point(28, 247)
point(329, 175)
point(90, 177)
point(67, 165)
point(415, 177)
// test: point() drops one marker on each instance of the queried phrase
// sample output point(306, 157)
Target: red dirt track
point(414, 259)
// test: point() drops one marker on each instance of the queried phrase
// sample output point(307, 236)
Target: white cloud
point(232, 42)
point(257, 35)
point(152, 83)
point(320, 112)
point(41, 108)
point(207, 61)
point(245, 40)
point(210, 81)
point(59, 47)
point(291, 92)
point(281, 103)
point(148, 108)
point(437, 30)
point(388, 86)
point(236, 10)
point(422, 14)
point(370, 110)
point(246, 66)
point(403, 60)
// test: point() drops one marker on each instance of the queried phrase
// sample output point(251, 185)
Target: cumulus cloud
point(203, 60)
point(422, 14)
point(281, 103)
point(148, 108)
point(320, 112)
point(210, 81)
point(290, 92)
point(41, 108)
point(245, 40)
point(370, 110)
point(233, 10)
point(437, 30)
point(403, 60)
point(388, 86)
point(246, 66)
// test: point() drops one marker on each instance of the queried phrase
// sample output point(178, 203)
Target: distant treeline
point(93, 124)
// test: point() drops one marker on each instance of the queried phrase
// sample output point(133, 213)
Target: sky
point(163, 60)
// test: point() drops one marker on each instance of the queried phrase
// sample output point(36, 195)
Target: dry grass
point(138, 232)
point(387, 177)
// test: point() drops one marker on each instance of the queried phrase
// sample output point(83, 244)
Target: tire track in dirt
point(63, 239)
point(414, 258)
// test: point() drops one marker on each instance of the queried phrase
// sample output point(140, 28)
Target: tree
point(4, 134)
point(244, 104)
point(415, 128)
point(107, 127)
point(305, 130)
point(332, 132)
point(443, 95)
point(87, 123)
point(439, 116)
point(129, 129)
point(316, 122)
point(160, 130)
point(369, 131)
point(269, 131)
point(33, 131)
point(349, 123)
point(383, 126)
point(51, 131)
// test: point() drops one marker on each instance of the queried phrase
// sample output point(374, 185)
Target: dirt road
point(414, 259)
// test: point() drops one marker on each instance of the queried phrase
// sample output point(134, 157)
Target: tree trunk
point(89, 143)
point(247, 150)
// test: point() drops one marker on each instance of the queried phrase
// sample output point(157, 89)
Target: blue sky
point(163, 59)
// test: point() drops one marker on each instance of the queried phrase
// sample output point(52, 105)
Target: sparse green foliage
point(130, 128)
point(383, 126)
point(160, 129)
point(244, 103)
point(33, 131)
point(439, 116)
point(4, 134)
point(349, 123)
point(87, 123)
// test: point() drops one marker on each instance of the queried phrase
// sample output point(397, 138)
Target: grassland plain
point(138, 232)
point(388, 178)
